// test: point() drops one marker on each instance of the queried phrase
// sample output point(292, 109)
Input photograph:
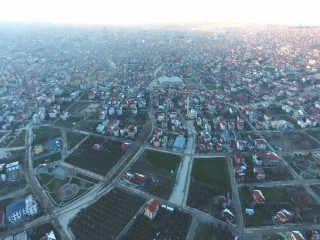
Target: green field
point(211, 171)
point(44, 134)
point(47, 159)
point(161, 160)
point(73, 138)
point(20, 140)
point(2, 134)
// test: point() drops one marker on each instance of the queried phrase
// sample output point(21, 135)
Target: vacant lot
point(43, 135)
point(161, 160)
point(292, 141)
point(99, 160)
point(211, 171)
point(78, 107)
point(73, 138)
point(106, 218)
point(166, 225)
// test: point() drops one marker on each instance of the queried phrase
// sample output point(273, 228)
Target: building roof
point(15, 207)
point(297, 235)
point(152, 206)
point(179, 142)
point(257, 194)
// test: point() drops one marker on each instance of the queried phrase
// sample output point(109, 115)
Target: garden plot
point(96, 154)
point(107, 217)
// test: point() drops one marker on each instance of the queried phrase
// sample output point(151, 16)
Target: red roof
point(258, 196)
point(260, 142)
point(297, 235)
point(153, 205)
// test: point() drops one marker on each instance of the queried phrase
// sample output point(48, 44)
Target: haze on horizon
point(164, 11)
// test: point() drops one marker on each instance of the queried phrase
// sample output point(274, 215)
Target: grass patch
point(84, 177)
point(161, 160)
point(44, 134)
point(20, 140)
point(73, 138)
point(17, 155)
point(45, 178)
point(56, 183)
point(212, 172)
point(47, 159)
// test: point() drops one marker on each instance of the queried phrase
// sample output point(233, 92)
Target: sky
point(134, 12)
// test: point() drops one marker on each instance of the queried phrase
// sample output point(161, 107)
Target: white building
point(21, 208)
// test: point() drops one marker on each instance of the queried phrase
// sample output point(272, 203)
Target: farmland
point(107, 216)
point(166, 225)
point(99, 161)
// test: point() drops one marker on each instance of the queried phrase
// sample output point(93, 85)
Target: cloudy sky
point(161, 11)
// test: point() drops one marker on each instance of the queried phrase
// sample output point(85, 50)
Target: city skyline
point(126, 12)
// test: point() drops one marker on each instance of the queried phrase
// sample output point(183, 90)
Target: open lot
point(315, 133)
point(106, 217)
point(69, 123)
point(209, 185)
point(48, 158)
point(291, 141)
point(73, 138)
point(77, 107)
point(43, 135)
point(161, 160)
point(294, 199)
point(98, 160)
point(212, 172)
point(166, 225)
point(305, 166)
point(207, 231)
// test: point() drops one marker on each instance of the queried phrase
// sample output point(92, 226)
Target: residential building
point(21, 208)
point(151, 209)
point(296, 235)
point(283, 216)
point(179, 143)
point(259, 173)
point(228, 215)
point(238, 158)
point(258, 197)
